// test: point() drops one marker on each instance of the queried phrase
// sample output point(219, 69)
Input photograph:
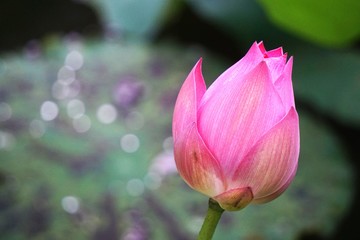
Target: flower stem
point(211, 220)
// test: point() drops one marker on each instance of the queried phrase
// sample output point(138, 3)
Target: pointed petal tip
point(262, 68)
point(197, 69)
point(289, 67)
point(261, 46)
point(257, 48)
point(293, 112)
point(277, 52)
point(199, 62)
point(188, 100)
point(290, 61)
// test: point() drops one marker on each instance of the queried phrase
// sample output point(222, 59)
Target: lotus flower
point(238, 141)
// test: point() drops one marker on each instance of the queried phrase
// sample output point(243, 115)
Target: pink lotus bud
point(238, 142)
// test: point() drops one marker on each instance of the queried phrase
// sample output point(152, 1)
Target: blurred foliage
point(326, 22)
point(332, 23)
point(329, 80)
point(58, 159)
point(243, 19)
point(90, 174)
point(136, 19)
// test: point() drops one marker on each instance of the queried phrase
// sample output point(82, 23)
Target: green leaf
point(332, 23)
point(329, 80)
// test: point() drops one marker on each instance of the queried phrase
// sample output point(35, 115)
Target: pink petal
point(261, 46)
point(284, 86)
point(235, 118)
point(276, 66)
point(275, 59)
point(253, 57)
point(272, 53)
point(277, 193)
point(271, 164)
point(196, 164)
point(192, 90)
point(278, 52)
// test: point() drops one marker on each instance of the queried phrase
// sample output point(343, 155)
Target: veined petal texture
point(196, 165)
point(272, 162)
point(239, 114)
point(191, 92)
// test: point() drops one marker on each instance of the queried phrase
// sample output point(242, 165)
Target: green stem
point(211, 220)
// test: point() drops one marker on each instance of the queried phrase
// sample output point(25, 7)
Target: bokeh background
point(87, 90)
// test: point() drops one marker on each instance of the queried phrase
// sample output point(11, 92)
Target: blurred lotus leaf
point(327, 22)
point(134, 18)
point(85, 133)
point(241, 19)
point(329, 80)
